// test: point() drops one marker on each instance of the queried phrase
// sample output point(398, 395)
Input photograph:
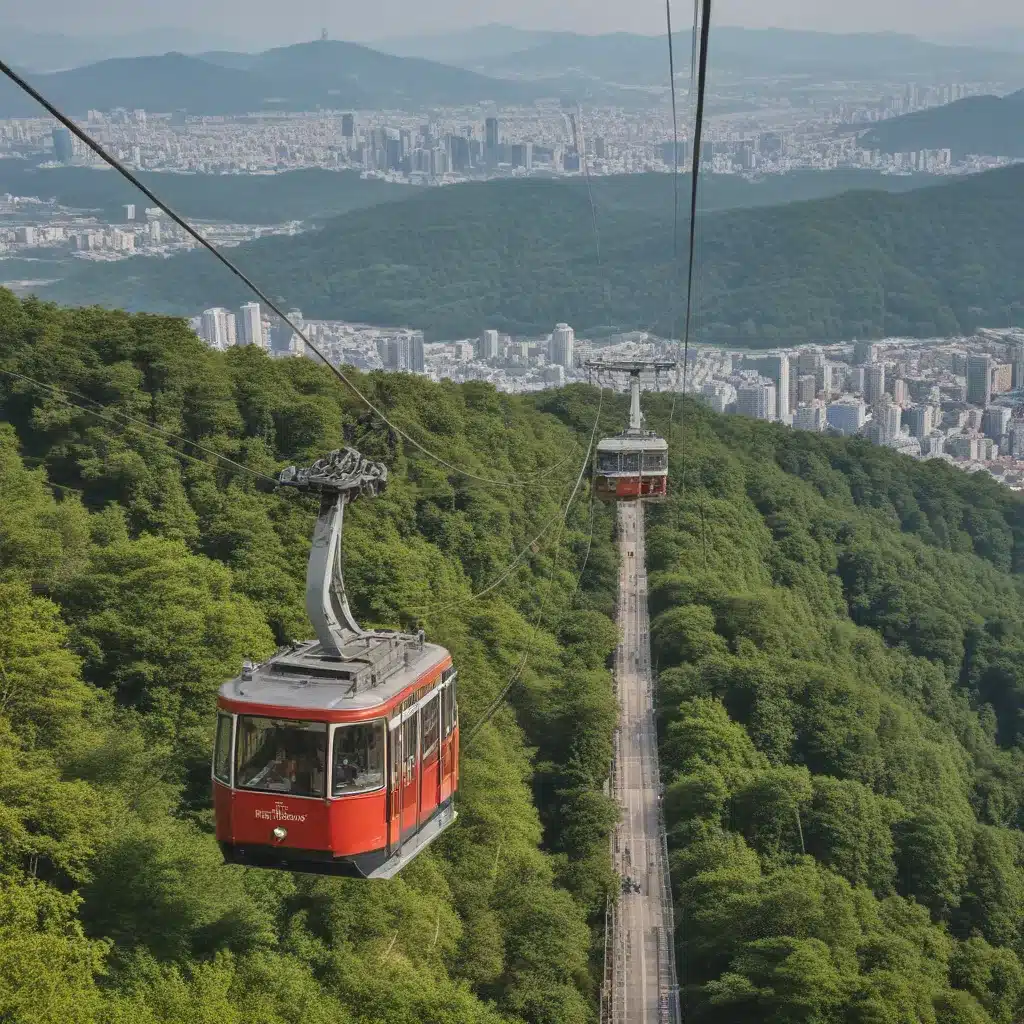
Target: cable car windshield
point(281, 756)
point(358, 758)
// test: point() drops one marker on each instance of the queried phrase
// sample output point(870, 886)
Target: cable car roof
point(633, 443)
point(305, 679)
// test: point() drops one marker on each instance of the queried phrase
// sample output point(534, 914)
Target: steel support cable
point(512, 481)
point(498, 580)
point(702, 73)
point(499, 700)
point(60, 392)
point(675, 195)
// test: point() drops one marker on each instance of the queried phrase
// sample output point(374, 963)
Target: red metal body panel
point(254, 816)
point(622, 488)
point(353, 824)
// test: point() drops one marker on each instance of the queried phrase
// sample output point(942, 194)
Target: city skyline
point(260, 23)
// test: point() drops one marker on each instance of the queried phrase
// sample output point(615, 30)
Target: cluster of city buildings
point(511, 364)
point(960, 400)
point(28, 223)
point(769, 134)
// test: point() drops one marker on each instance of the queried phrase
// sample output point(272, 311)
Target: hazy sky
point(268, 21)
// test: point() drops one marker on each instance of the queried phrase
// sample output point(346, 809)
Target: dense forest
point(137, 570)
point(992, 125)
point(316, 194)
point(520, 255)
point(838, 632)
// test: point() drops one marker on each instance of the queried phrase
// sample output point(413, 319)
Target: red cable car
point(339, 755)
point(633, 465)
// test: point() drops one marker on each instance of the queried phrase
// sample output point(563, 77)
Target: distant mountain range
point(982, 125)
point(631, 59)
point(520, 255)
point(55, 51)
point(306, 76)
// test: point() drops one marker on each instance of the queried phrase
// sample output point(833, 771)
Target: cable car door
point(410, 773)
point(430, 755)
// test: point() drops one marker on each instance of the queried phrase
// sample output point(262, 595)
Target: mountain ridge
point(975, 125)
point(304, 76)
point(520, 255)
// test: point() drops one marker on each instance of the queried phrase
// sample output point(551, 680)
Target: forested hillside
point(992, 125)
point(839, 636)
point(241, 198)
point(137, 571)
point(520, 255)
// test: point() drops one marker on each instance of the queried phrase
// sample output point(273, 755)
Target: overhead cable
point(698, 128)
point(511, 481)
point(497, 702)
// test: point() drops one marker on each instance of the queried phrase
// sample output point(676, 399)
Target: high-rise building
point(864, 352)
point(491, 141)
point(933, 443)
point(63, 145)
point(1017, 439)
point(979, 380)
point(807, 388)
point(129, 211)
point(809, 417)
point(1017, 359)
point(487, 347)
point(250, 322)
point(921, 420)
point(417, 363)
point(757, 400)
point(887, 418)
point(1002, 378)
point(154, 232)
point(874, 382)
point(899, 392)
point(847, 417)
point(776, 368)
point(996, 422)
point(348, 126)
point(560, 352)
point(214, 327)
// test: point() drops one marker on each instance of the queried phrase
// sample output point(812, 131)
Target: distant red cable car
point(339, 755)
point(633, 465)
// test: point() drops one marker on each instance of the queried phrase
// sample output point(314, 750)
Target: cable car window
point(281, 756)
point(358, 758)
point(409, 739)
point(222, 751)
point(631, 462)
point(431, 725)
point(655, 460)
point(446, 711)
point(607, 462)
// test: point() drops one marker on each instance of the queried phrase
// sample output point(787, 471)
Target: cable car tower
point(339, 755)
point(633, 465)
